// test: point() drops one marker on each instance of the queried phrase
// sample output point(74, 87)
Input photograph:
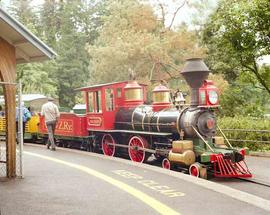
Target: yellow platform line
point(153, 203)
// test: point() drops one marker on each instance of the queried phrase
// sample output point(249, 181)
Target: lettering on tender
point(65, 125)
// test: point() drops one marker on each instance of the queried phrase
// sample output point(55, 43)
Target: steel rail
point(255, 181)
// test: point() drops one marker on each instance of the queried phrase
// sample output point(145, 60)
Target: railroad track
point(256, 181)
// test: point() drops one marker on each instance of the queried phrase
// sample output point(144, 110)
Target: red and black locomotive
point(117, 121)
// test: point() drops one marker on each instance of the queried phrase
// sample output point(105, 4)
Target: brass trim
point(133, 94)
point(200, 136)
point(224, 137)
point(158, 129)
point(149, 121)
point(177, 124)
point(178, 119)
point(132, 120)
point(157, 121)
point(161, 97)
point(143, 121)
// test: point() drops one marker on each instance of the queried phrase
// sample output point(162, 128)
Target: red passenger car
point(70, 130)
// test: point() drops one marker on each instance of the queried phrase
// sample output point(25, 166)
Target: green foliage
point(74, 25)
point(237, 35)
point(35, 79)
point(133, 37)
point(243, 99)
point(66, 26)
point(246, 123)
point(120, 35)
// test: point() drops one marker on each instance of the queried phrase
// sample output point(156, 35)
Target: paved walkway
point(73, 182)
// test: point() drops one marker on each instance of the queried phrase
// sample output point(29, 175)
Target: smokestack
point(195, 72)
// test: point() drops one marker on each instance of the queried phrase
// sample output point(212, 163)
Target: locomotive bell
point(195, 72)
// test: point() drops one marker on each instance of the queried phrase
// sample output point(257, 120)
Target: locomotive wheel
point(135, 153)
point(108, 145)
point(194, 170)
point(166, 164)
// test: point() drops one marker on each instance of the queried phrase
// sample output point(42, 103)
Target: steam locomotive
point(117, 121)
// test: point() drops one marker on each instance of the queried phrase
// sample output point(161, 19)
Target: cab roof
point(103, 85)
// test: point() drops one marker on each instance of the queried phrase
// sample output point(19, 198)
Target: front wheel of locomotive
point(136, 148)
point(108, 145)
point(198, 170)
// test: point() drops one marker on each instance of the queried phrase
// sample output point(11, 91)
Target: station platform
point(70, 182)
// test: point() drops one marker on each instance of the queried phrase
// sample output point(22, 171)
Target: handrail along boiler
point(117, 120)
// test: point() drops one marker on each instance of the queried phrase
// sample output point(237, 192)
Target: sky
point(184, 15)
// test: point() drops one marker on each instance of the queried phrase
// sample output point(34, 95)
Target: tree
point(23, 11)
point(237, 35)
point(66, 26)
point(34, 78)
point(132, 37)
point(78, 21)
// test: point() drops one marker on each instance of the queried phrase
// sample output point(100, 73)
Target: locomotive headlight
point(213, 97)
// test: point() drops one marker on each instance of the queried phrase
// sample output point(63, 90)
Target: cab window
point(109, 100)
point(90, 102)
point(119, 92)
point(98, 102)
point(94, 102)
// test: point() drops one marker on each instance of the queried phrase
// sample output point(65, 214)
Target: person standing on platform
point(51, 113)
point(26, 116)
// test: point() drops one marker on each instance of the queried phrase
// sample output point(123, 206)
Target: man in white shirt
point(51, 113)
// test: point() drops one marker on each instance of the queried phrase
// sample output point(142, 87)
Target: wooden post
point(8, 74)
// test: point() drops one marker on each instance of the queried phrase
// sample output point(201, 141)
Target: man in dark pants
point(51, 113)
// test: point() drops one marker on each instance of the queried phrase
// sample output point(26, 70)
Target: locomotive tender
point(117, 120)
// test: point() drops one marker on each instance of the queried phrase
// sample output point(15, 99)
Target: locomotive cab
point(104, 101)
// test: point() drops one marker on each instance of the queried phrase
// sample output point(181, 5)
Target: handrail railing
point(262, 139)
point(245, 130)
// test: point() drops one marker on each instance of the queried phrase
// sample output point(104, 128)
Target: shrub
point(246, 123)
